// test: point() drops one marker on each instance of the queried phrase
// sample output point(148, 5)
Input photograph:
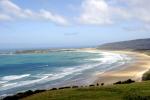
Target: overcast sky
point(71, 23)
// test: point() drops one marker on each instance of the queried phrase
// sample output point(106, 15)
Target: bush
point(128, 81)
point(102, 84)
point(11, 98)
point(119, 82)
point(92, 85)
point(53, 89)
point(67, 87)
point(22, 95)
point(146, 76)
point(75, 86)
point(125, 82)
point(97, 84)
point(39, 91)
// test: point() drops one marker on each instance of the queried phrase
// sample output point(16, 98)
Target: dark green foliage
point(102, 84)
point(22, 95)
point(67, 87)
point(92, 85)
point(19, 95)
point(146, 76)
point(119, 82)
point(53, 89)
point(11, 98)
point(125, 82)
point(97, 84)
point(75, 86)
point(39, 91)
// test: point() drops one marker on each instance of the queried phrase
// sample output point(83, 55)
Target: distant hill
point(138, 44)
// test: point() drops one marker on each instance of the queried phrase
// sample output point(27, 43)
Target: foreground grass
point(134, 91)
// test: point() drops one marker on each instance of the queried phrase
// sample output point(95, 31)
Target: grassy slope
point(114, 92)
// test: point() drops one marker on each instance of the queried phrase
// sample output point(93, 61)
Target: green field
point(134, 91)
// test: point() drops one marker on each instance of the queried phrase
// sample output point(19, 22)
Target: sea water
point(21, 72)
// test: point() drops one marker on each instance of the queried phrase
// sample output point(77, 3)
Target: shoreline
point(133, 70)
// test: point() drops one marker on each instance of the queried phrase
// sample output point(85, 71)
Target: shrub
point(39, 91)
point(128, 81)
point(97, 84)
point(102, 84)
point(19, 95)
point(119, 82)
point(125, 82)
point(11, 98)
point(53, 89)
point(74, 86)
point(146, 76)
point(91, 85)
point(64, 87)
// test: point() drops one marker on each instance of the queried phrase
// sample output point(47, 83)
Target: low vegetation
point(133, 91)
point(146, 76)
point(23, 95)
point(125, 91)
point(125, 82)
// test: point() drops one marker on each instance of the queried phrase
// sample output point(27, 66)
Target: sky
point(71, 23)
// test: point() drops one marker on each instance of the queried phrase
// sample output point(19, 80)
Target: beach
point(79, 67)
point(133, 70)
point(123, 65)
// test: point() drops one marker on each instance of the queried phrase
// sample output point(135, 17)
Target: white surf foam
point(14, 77)
point(108, 57)
point(42, 78)
point(2, 82)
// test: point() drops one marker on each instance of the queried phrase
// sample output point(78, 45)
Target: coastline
point(133, 70)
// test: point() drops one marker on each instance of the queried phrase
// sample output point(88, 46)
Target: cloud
point(12, 10)
point(138, 9)
point(95, 12)
point(4, 17)
point(100, 12)
point(92, 12)
point(53, 17)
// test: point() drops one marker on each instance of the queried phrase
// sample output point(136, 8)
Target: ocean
point(31, 71)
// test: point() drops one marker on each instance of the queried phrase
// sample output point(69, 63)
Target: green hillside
point(134, 91)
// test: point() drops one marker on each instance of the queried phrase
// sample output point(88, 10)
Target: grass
point(134, 91)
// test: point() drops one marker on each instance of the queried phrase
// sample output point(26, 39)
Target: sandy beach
point(133, 71)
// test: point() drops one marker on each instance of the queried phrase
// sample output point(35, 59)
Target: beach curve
point(134, 70)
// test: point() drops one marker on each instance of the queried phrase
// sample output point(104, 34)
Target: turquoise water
point(20, 72)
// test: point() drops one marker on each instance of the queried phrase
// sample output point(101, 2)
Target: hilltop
point(138, 44)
